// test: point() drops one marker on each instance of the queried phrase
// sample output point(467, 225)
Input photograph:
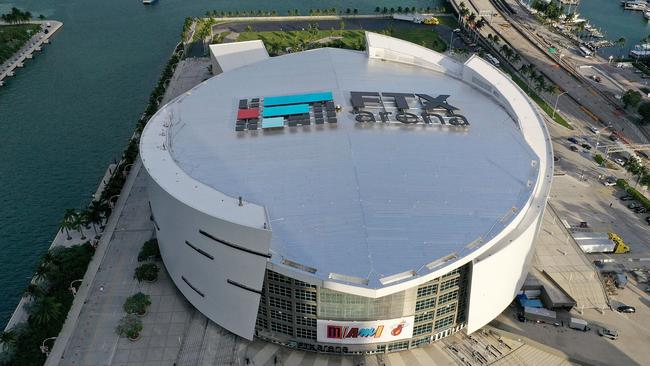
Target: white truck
point(579, 324)
point(594, 242)
point(415, 18)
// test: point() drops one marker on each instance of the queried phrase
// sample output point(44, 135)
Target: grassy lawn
point(423, 36)
point(352, 39)
point(12, 37)
point(540, 102)
point(298, 40)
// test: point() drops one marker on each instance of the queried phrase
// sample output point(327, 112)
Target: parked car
point(592, 129)
point(640, 210)
point(574, 148)
point(573, 140)
point(647, 219)
point(609, 182)
point(608, 333)
point(613, 137)
point(627, 198)
point(586, 146)
point(619, 161)
point(626, 309)
point(633, 205)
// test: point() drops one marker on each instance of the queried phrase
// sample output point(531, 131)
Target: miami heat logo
point(398, 329)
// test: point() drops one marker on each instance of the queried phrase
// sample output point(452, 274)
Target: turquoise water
point(615, 22)
point(71, 110)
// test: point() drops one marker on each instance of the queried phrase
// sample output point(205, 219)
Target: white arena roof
point(359, 202)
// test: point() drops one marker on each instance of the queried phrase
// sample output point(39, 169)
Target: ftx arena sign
point(408, 108)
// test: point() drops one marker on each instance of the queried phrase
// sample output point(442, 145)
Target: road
point(581, 94)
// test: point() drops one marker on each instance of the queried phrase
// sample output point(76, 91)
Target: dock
point(8, 68)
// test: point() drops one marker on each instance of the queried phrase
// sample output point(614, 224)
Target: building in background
point(342, 201)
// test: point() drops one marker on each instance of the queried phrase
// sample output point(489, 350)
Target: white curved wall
point(232, 307)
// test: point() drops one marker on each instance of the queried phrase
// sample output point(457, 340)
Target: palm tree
point(78, 224)
point(621, 42)
point(44, 311)
point(66, 225)
point(8, 339)
point(33, 291)
point(94, 213)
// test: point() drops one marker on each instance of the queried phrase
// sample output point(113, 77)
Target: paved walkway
point(34, 44)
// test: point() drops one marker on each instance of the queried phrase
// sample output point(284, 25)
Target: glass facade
point(289, 310)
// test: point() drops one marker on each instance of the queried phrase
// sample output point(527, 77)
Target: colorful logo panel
point(275, 112)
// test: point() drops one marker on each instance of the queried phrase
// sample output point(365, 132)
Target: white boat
point(148, 2)
point(646, 14)
point(641, 50)
point(635, 5)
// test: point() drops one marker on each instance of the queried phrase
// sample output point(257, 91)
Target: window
point(424, 317)
point(425, 304)
point(280, 303)
point(306, 333)
point(274, 276)
point(449, 296)
point(308, 322)
point(299, 283)
point(262, 323)
point(452, 273)
point(427, 290)
point(449, 284)
point(306, 309)
point(279, 290)
point(445, 310)
point(397, 346)
point(305, 295)
point(422, 329)
point(278, 315)
point(417, 342)
point(444, 322)
point(282, 328)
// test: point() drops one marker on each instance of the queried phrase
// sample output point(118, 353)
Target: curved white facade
point(218, 247)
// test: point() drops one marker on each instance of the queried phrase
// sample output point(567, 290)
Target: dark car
point(586, 146)
point(633, 205)
point(647, 219)
point(626, 309)
point(574, 148)
point(627, 198)
point(521, 317)
point(573, 140)
point(640, 210)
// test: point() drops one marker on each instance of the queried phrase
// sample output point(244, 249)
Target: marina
point(48, 28)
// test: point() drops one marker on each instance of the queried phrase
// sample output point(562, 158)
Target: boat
point(646, 14)
point(148, 2)
point(640, 50)
point(635, 5)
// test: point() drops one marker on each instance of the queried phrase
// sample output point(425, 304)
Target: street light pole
point(72, 289)
point(45, 349)
point(597, 138)
point(556, 100)
point(451, 39)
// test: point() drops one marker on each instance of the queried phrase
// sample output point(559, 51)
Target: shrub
point(130, 326)
point(622, 183)
point(146, 272)
point(599, 159)
point(149, 250)
point(137, 304)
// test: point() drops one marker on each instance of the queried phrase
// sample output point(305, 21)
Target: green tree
point(631, 98)
point(377, 9)
point(644, 111)
point(45, 311)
